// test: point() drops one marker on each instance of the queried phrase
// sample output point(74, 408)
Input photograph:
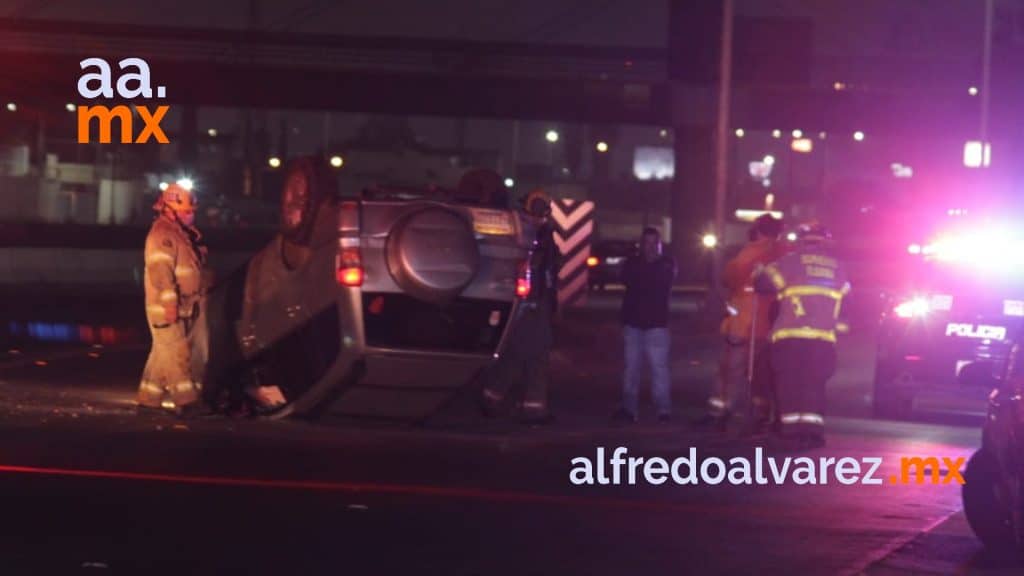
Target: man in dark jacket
point(648, 277)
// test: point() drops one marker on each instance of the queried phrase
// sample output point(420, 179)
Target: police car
point(960, 303)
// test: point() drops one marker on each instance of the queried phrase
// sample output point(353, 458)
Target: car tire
point(888, 401)
point(988, 516)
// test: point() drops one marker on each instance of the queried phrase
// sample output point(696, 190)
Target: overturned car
point(377, 306)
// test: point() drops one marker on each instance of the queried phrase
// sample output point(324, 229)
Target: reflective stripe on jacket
point(810, 286)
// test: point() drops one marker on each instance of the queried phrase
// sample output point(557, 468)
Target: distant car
point(607, 258)
point(396, 299)
point(992, 495)
point(958, 309)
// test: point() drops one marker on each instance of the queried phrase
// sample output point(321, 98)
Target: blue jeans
point(652, 343)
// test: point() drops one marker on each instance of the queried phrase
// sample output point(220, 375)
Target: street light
point(798, 134)
point(212, 132)
point(274, 162)
point(709, 241)
point(973, 90)
point(769, 160)
point(70, 107)
point(509, 182)
point(602, 146)
point(12, 107)
point(551, 136)
point(337, 161)
point(740, 133)
point(776, 133)
point(858, 136)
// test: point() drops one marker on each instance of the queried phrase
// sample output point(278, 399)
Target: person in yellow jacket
point(810, 284)
point(173, 278)
point(743, 386)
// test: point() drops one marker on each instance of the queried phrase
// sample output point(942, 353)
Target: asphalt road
point(88, 486)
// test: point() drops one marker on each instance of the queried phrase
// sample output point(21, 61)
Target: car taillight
point(592, 261)
point(913, 308)
point(349, 268)
point(523, 281)
point(349, 261)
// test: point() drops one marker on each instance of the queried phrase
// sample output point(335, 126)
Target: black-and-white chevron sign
point(574, 226)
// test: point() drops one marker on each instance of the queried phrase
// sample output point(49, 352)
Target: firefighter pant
point(802, 367)
point(650, 345)
point(735, 392)
point(524, 365)
point(168, 372)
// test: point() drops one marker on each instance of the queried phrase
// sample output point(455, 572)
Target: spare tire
point(432, 254)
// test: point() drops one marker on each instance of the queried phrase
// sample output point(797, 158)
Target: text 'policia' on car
point(377, 306)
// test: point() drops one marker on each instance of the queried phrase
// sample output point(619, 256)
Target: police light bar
point(987, 248)
point(914, 308)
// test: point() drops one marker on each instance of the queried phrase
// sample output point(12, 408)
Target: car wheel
point(888, 400)
point(987, 513)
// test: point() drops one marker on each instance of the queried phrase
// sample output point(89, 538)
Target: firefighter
point(525, 361)
point(810, 285)
point(174, 257)
point(743, 386)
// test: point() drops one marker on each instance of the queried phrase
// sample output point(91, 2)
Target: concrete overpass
point(256, 69)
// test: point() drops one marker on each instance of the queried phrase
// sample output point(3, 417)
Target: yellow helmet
point(177, 198)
